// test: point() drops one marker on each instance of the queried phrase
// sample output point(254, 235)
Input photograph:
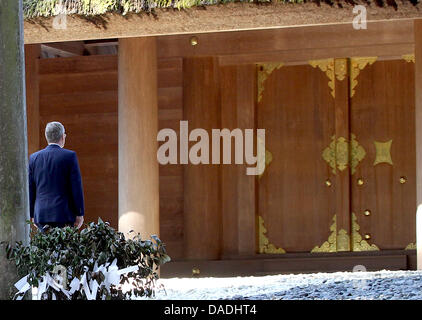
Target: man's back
point(55, 186)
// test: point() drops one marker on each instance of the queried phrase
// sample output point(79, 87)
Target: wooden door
point(296, 207)
point(340, 155)
point(383, 186)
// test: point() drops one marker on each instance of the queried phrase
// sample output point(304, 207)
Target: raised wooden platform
point(292, 263)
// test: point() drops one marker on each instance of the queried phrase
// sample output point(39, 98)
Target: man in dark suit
point(55, 184)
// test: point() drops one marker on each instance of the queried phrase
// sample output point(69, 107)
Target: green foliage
point(78, 251)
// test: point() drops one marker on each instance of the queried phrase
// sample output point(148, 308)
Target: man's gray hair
point(54, 131)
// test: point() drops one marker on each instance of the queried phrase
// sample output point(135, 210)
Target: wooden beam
point(138, 127)
point(65, 49)
point(418, 118)
point(101, 43)
point(334, 36)
point(302, 56)
point(32, 55)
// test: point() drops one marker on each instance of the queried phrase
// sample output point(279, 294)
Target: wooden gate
point(340, 155)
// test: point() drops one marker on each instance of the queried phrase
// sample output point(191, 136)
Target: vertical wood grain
point(138, 126)
point(297, 112)
point(32, 54)
point(202, 200)
point(342, 178)
point(238, 94)
point(383, 109)
point(418, 118)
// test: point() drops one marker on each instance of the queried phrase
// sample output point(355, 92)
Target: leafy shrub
point(80, 252)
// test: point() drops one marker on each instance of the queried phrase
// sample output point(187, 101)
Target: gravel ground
point(380, 285)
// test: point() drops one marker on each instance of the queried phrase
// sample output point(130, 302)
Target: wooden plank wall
point(170, 112)
point(81, 92)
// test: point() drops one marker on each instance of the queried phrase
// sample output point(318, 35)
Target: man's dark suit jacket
point(55, 186)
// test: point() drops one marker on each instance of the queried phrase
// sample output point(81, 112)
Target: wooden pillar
point(202, 205)
point(342, 178)
point(138, 125)
point(14, 204)
point(32, 55)
point(418, 118)
point(238, 96)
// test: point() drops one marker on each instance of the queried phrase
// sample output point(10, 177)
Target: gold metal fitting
point(195, 271)
point(194, 41)
point(403, 180)
point(328, 183)
point(367, 212)
point(367, 236)
point(360, 182)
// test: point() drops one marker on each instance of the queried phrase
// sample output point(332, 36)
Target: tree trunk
point(13, 139)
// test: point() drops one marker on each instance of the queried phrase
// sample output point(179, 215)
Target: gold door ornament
point(264, 158)
point(356, 65)
point(336, 241)
point(340, 68)
point(409, 58)
point(383, 152)
point(341, 241)
point(358, 244)
point(264, 243)
point(327, 66)
point(337, 154)
point(357, 153)
point(411, 246)
point(329, 154)
point(264, 71)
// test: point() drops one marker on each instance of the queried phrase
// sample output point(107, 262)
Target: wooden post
point(238, 96)
point(418, 117)
point(14, 205)
point(342, 178)
point(202, 204)
point(138, 125)
point(32, 54)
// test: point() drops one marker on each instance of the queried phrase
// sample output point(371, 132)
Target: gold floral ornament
point(264, 71)
point(383, 152)
point(329, 154)
point(356, 65)
point(409, 58)
point(340, 68)
point(264, 244)
point(358, 244)
point(337, 154)
point(411, 246)
point(342, 153)
point(343, 241)
point(357, 153)
point(264, 158)
point(330, 244)
point(327, 66)
point(337, 241)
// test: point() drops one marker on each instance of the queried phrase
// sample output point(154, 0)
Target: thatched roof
point(111, 19)
point(48, 8)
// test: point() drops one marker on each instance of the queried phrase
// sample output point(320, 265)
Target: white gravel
point(380, 285)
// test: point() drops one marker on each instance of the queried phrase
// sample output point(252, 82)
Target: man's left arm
point(77, 191)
